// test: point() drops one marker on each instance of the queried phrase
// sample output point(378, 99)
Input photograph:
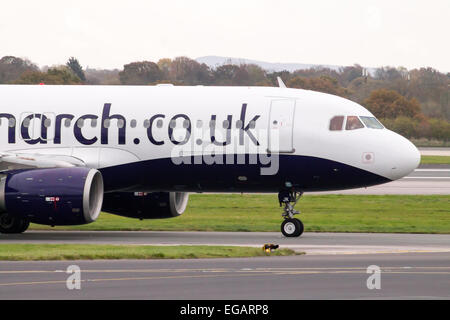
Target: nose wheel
point(290, 227)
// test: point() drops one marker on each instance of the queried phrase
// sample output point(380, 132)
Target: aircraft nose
point(406, 157)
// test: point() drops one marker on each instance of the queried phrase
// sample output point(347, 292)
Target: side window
point(80, 123)
point(26, 122)
point(336, 123)
point(353, 123)
point(47, 123)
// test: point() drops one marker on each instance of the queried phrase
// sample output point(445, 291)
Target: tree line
point(414, 103)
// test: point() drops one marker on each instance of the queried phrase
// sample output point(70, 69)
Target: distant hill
point(215, 61)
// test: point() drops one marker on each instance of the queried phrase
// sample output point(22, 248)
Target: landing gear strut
point(11, 224)
point(291, 227)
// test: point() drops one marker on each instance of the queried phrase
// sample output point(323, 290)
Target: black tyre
point(292, 228)
point(24, 226)
point(11, 224)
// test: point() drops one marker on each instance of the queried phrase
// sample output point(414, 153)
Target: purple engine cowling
point(57, 196)
point(143, 205)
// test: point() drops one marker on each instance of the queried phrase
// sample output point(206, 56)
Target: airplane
point(69, 152)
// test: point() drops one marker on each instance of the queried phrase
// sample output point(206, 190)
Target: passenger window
point(372, 122)
point(120, 123)
point(172, 124)
point(47, 123)
point(199, 123)
point(67, 123)
point(26, 122)
point(159, 123)
point(146, 123)
point(11, 122)
point(80, 123)
point(133, 123)
point(93, 123)
point(353, 123)
point(336, 123)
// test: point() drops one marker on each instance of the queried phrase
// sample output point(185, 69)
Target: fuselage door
point(281, 126)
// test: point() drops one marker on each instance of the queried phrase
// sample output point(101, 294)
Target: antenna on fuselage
point(281, 83)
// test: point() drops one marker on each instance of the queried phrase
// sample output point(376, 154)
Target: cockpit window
point(353, 123)
point(336, 123)
point(372, 122)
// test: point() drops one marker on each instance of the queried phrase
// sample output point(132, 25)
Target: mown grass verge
point(26, 252)
point(435, 160)
point(320, 213)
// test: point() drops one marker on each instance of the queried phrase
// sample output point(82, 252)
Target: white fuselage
point(152, 131)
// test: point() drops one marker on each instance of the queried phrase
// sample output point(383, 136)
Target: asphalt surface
point(432, 151)
point(403, 276)
point(309, 242)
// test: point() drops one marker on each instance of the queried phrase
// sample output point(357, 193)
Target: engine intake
point(58, 196)
point(142, 205)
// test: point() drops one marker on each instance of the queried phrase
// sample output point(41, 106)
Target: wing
point(14, 161)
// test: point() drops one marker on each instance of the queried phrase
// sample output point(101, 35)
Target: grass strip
point(435, 160)
point(28, 252)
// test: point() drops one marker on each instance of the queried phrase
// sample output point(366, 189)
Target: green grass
point(18, 252)
point(435, 160)
point(334, 213)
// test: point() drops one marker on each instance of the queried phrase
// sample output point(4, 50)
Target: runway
point(433, 151)
point(310, 242)
point(403, 276)
point(413, 266)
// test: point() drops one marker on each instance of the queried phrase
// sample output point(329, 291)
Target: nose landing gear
point(290, 227)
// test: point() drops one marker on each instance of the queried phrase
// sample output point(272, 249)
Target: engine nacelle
point(142, 205)
point(57, 196)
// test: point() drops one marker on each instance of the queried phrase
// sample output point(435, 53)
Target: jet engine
point(57, 196)
point(142, 205)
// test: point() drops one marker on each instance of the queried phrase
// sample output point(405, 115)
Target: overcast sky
point(109, 34)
